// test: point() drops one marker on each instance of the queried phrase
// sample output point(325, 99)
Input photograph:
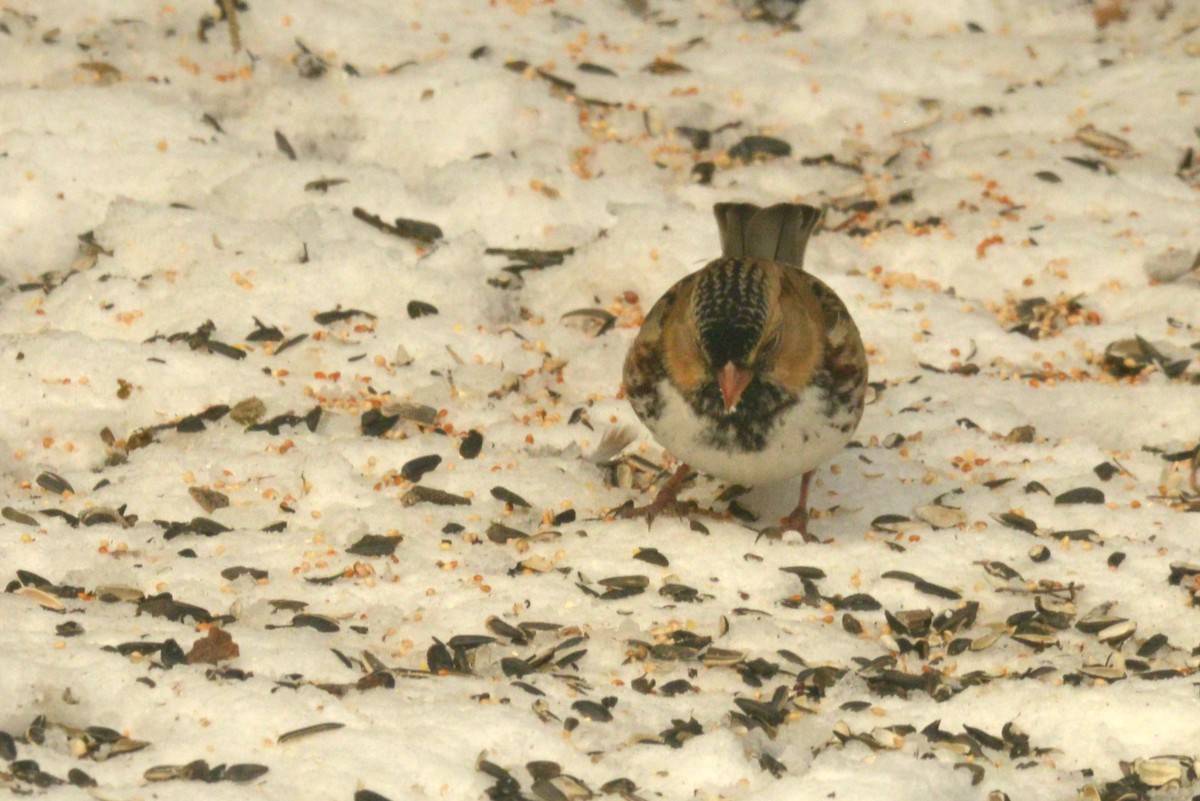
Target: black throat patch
point(747, 428)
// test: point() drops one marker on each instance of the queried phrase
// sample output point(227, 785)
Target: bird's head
point(731, 308)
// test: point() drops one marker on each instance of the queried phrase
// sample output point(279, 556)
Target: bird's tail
point(778, 233)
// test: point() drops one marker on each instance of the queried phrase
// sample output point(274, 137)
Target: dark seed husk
point(1095, 165)
point(983, 738)
point(404, 228)
point(470, 641)
point(676, 687)
point(1182, 570)
point(699, 138)
point(190, 424)
point(163, 605)
point(493, 770)
point(1152, 645)
point(418, 413)
point(244, 772)
point(889, 522)
point(500, 533)
point(337, 315)
point(1019, 522)
point(592, 711)
point(1080, 535)
point(18, 517)
point(321, 623)
point(1080, 495)
point(502, 629)
point(703, 171)
point(80, 779)
point(857, 602)
point(626, 582)
point(209, 500)
point(369, 795)
point(68, 629)
point(513, 666)
point(31, 579)
point(680, 593)
point(471, 445)
point(1096, 623)
point(53, 482)
point(596, 69)
point(375, 423)
point(623, 787)
point(307, 731)
point(8, 747)
point(202, 526)
point(414, 469)
point(527, 687)
point(438, 658)
point(424, 494)
point(419, 308)
point(805, 572)
point(751, 146)
point(653, 556)
point(374, 545)
point(102, 734)
point(594, 322)
point(963, 618)
point(929, 588)
point(913, 622)
point(618, 594)
point(1000, 570)
point(902, 575)
point(104, 516)
point(140, 647)
point(506, 495)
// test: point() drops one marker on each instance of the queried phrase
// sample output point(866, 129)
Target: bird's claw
point(652, 511)
point(797, 522)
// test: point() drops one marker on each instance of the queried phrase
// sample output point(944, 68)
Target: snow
point(115, 118)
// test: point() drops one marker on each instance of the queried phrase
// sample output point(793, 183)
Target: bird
point(749, 369)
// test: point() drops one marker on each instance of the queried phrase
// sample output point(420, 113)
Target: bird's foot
point(651, 511)
point(798, 519)
point(667, 500)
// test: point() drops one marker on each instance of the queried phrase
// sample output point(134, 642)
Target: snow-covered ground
point(221, 357)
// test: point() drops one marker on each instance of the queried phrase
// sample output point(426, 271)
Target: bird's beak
point(733, 381)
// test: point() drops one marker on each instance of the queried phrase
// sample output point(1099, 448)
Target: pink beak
point(733, 381)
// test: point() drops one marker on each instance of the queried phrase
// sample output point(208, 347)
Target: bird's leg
point(664, 500)
point(798, 519)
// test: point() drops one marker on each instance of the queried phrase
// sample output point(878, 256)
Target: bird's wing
point(844, 355)
point(647, 361)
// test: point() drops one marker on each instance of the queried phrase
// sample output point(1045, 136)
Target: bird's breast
point(748, 445)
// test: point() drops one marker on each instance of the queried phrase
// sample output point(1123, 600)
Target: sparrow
point(750, 369)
